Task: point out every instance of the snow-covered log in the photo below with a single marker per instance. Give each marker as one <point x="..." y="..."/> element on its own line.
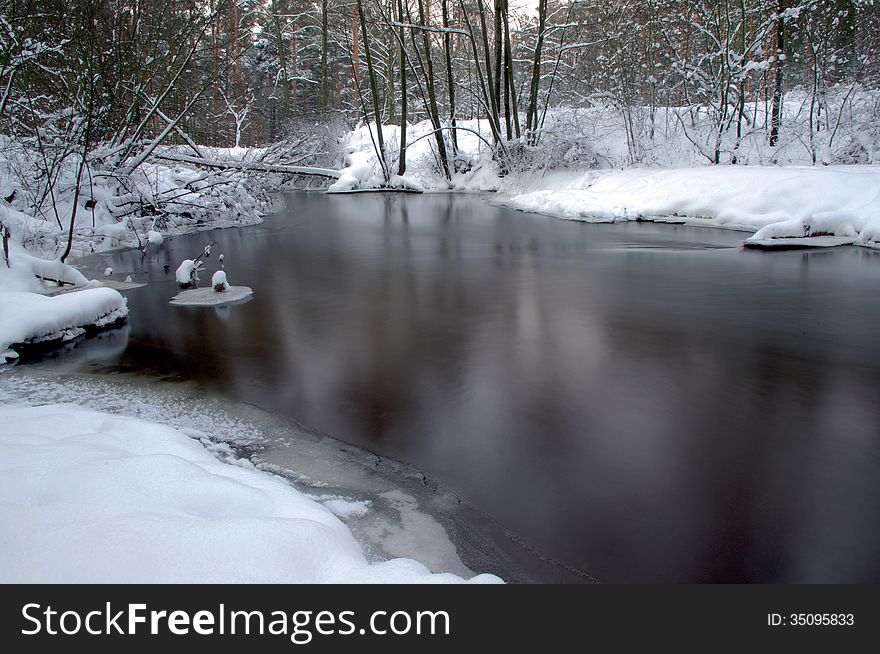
<point x="29" y="318"/>
<point x="257" y="166"/>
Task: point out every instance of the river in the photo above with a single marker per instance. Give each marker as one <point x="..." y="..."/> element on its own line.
<point x="640" y="402"/>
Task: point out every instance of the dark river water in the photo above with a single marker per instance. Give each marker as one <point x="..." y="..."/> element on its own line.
<point x="645" y="403"/>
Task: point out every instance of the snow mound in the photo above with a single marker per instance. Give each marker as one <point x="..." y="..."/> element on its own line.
<point x="26" y="267"/>
<point x="219" y="282"/>
<point x="87" y="497"/>
<point x="187" y="271"/>
<point x="33" y="318"/>
<point x="208" y="297"/>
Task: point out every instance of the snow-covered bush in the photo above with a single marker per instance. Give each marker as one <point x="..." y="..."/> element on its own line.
<point x="218" y="281"/>
<point x="187" y="273"/>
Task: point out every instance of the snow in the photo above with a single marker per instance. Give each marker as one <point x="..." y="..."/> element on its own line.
<point x="346" y="509"/>
<point x="33" y="318"/>
<point x="175" y="197"/>
<point x="90" y="497"/>
<point x="360" y="167"/>
<point x="186" y="272"/>
<point x="219" y="282"/>
<point x="777" y="201"/>
<point x="795" y="243"/>
<point x="208" y="297"/>
<point x="589" y="167"/>
<point x="28" y="316"/>
<point x="25" y="268"/>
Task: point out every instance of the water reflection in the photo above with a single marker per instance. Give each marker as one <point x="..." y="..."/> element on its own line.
<point x="646" y="403"/>
<point x="101" y="346"/>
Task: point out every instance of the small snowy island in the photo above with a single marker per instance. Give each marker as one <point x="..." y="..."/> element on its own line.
<point x="220" y="293"/>
<point x="208" y="297"/>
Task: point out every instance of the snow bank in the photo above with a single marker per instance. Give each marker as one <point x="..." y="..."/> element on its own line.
<point x="778" y="201"/>
<point x="90" y="497"/>
<point x="34" y="318"/>
<point x="27" y="316"/>
<point x="361" y="167"/>
<point x="603" y="135"/>
<point x="25" y="266"/>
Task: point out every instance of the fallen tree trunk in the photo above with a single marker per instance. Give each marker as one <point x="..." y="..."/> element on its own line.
<point x="257" y="166"/>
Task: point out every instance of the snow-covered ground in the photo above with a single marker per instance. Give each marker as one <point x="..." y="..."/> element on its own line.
<point x="168" y="194"/>
<point x="86" y="496"/>
<point x="774" y="202"/>
<point x="387" y="506"/>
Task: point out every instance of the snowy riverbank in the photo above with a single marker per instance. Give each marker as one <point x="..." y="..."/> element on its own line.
<point x="90" y="497"/>
<point x="773" y="202"/>
<point x="28" y="316"/>
<point x="587" y="168"/>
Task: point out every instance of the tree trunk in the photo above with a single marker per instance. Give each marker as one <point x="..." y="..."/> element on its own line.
<point x="432" y="94"/>
<point x="484" y="81"/>
<point x="325" y="35"/>
<point x="776" y="106"/>
<point x="490" y="77"/>
<point x="374" y="90"/>
<point x="508" y="75"/>
<point x="401" y="167"/>
<point x="282" y="60"/>
<point x="496" y="81"/>
<point x="447" y="45"/>
<point x="532" y="113"/>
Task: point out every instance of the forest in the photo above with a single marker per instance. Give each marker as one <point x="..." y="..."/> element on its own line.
<point x="94" y="90"/>
<point x="239" y="72"/>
